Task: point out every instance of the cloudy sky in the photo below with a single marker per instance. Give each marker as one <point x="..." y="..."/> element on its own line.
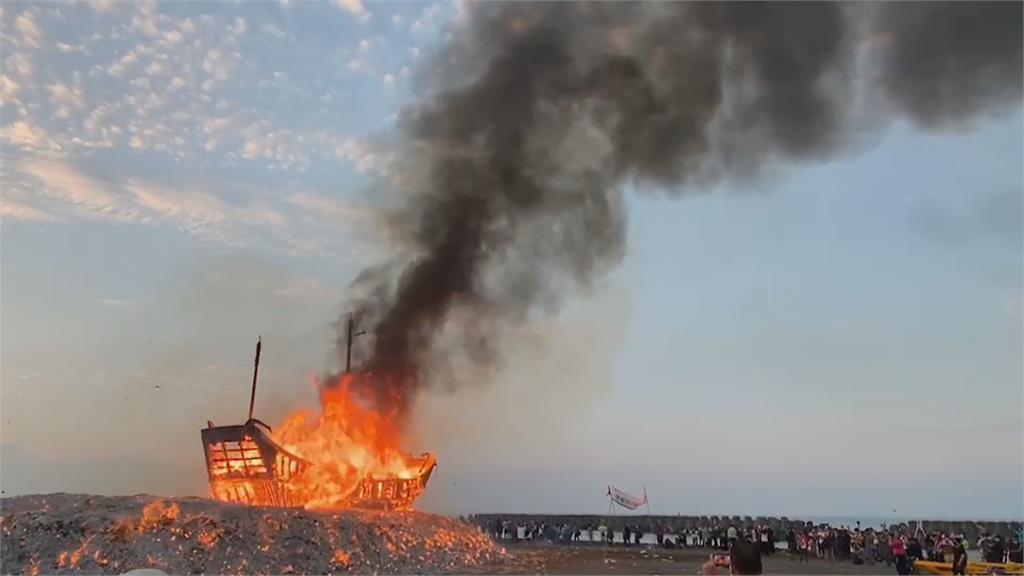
<point x="838" y="339"/>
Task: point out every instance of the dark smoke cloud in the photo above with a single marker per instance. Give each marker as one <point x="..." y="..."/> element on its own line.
<point x="949" y="61"/>
<point x="539" y="112"/>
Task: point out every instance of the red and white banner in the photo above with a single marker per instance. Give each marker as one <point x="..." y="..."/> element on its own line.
<point x="626" y="500"/>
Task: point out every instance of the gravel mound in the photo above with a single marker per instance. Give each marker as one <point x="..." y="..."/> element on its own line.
<point x="73" y="533"/>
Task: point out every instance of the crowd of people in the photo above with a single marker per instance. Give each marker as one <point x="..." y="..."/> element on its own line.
<point x="894" y="546"/>
<point x="897" y="547"/>
<point x="712" y="537"/>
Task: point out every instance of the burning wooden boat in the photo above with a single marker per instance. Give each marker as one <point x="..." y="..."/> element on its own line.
<point x="394" y="493"/>
<point x="246" y="465"/>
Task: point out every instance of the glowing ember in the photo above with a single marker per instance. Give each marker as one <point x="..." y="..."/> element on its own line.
<point x="156" y="514"/>
<point x="113" y="535"/>
<point x="342" y="558"/>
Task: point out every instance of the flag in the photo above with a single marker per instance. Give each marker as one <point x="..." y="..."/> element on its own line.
<point x="626" y="500"/>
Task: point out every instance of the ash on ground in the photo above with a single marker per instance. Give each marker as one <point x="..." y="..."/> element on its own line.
<point x="70" y="534"/>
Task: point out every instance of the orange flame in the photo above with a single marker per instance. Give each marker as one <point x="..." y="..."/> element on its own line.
<point x="348" y="442"/>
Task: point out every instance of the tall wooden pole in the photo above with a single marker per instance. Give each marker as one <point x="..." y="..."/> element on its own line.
<point x="349" y="329"/>
<point x="255" y="372"/>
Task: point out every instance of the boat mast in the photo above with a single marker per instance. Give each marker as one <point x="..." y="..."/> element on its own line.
<point x="350" y="335"/>
<point x="255" y="372"/>
<point x="349" y="327"/>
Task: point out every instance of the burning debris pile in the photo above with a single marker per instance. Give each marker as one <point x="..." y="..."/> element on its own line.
<point x="69" y="534"/>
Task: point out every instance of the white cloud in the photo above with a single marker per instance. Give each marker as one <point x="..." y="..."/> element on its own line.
<point x="241" y="27"/>
<point x="360" y="154"/>
<point x="325" y="208"/>
<point x="306" y="288"/>
<point x="120" y="304"/>
<point x="31" y="35"/>
<point x="282" y="147"/>
<point x="204" y="215"/>
<point x="98" y="127"/>
<point x="364" y="45"/>
<point x="389" y="79"/>
<point x="272" y="30"/>
<point x="8" y="90"/>
<point x="118" y="68"/>
<point x="144" y="22"/>
<point x="20" y="64"/>
<point x="25" y="135"/>
<point x="193" y="209"/>
<point x="67" y="48"/>
<point x="197" y="213"/>
<point x="102" y="5"/>
<point x="66" y="98"/>
<point x="172" y="36"/>
<point x="177" y="83"/>
<point x="253" y="149"/>
<point x="17" y="211"/>
<point x="219" y="65"/>
<point x="67" y="184"/>
<point x="354" y="7"/>
<point x="154" y="68"/>
<point x="214" y="126"/>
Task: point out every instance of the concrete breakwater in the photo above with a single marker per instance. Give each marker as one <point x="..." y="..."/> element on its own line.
<point x="970" y="528"/>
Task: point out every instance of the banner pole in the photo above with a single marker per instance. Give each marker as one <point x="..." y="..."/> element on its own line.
<point x="650" y="519"/>
<point x="611" y="517"/>
<point x="611" y="529"/>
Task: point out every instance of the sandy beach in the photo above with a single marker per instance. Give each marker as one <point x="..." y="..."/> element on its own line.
<point x="75" y="533"/>
<point x="595" y="559"/>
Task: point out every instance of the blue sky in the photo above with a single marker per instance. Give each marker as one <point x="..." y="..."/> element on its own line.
<point x="840" y="338"/>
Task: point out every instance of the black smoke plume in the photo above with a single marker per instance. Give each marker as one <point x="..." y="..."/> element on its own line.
<point x="538" y="113"/>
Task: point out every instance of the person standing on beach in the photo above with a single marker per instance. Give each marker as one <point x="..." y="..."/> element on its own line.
<point x="996" y="550"/>
<point x="914" y="551"/>
<point x="899" y="554"/>
<point x="959" y="557"/>
<point x="1015" y="550"/>
<point x="744" y="558"/>
<point x="806" y="543"/>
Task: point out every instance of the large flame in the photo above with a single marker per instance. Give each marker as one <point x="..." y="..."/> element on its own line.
<point x="351" y="440"/>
